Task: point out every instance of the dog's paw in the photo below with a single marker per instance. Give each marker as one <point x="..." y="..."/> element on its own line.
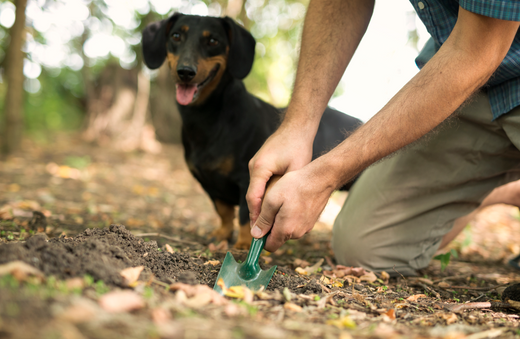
<point x="243" y="241"/>
<point x="222" y="234"/>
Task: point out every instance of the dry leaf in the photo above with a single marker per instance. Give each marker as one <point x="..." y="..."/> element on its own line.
<point x="390" y="314"/>
<point x="267" y="260"/>
<point x="385" y="277"/>
<point x="443" y="284"/>
<point x="416" y="297"/>
<point x="369" y="277"/>
<point x="131" y="274"/>
<point x="450" y="318"/>
<point x="222" y="246"/>
<point x="190" y="291"/>
<point x="121" y="301"/>
<point x="20" y="270"/>
<point x="212" y="262"/>
<point x="232" y="310"/>
<point x="355" y="271"/>
<point x="160" y="316"/>
<point x="292" y="307"/>
<point x="75" y="283"/>
<point x="6" y="212"/>
<point x="82" y="310"/>
<point x="310" y="270"/>
<point x="301" y="263"/>
<point x="344" y="322"/>
<point x="169" y="249"/>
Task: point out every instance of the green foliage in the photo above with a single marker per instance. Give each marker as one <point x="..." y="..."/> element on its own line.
<point x="78" y="162"/>
<point x="445" y="258"/>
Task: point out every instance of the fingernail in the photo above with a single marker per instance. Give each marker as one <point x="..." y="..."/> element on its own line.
<point x="256" y="232"/>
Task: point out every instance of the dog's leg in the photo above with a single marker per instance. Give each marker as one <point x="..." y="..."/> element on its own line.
<point x="227" y="214"/>
<point x="244" y="237"/>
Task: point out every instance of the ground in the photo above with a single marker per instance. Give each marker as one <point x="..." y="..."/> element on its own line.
<point x="96" y="243"/>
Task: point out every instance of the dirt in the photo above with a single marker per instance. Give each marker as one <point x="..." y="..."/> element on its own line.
<point x="81" y="214"/>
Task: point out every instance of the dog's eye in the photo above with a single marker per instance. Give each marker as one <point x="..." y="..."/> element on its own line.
<point x="213" y="42"/>
<point x="176" y="37"/>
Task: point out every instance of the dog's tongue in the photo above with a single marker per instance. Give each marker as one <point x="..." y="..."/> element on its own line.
<point x="185" y="93"/>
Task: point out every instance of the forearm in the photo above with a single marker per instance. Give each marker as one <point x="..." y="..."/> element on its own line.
<point x="463" y="64"/>
<point x="332" y="31"/>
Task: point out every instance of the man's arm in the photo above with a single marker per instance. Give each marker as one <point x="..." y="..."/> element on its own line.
<point x="464" y="63"/>
<point x="332" y="31"/>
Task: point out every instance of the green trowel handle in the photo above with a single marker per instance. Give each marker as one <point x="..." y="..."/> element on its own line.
<point x="250" y="268"/>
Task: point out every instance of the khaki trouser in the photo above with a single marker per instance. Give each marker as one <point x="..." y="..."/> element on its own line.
<point x="400" y="208"/>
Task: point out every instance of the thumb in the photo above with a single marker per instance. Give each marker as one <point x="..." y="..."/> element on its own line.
<point x="265" y="220"/>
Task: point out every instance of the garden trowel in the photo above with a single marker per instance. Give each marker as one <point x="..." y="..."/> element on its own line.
<point x="249" y="272"/>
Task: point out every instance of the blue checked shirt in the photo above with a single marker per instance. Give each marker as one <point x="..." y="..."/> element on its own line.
<point x="439" y="17"/>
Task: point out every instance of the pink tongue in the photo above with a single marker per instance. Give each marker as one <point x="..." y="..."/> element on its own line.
<point x="185" y="93"/>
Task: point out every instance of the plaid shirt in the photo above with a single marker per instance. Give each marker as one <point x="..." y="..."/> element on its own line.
<point x="440" y="16"/>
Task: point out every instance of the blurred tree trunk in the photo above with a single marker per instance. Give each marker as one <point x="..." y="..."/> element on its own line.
<point x="163" y="107"/>
<point x="13" y="109"/>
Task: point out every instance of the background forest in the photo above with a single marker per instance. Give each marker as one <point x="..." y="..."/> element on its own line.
<point x="77" y="65"/>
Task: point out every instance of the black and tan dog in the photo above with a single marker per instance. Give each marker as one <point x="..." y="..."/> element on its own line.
<point x="223" y="124"/>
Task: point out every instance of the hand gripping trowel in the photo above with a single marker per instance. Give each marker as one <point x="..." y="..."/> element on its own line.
<point x="249" y="272"/>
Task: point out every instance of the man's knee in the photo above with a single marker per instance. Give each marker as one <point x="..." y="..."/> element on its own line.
<point x="375" y="251"/>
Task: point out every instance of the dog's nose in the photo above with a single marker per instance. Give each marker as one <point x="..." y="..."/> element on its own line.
<point x="186" y="73"/>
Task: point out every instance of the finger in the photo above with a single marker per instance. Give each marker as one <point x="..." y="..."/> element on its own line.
<point x="255" y="194"/>
<point x="276" y="239"/>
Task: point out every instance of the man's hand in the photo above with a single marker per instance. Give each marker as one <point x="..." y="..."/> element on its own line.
<point x="284" y="151"/>
<point x="291" y="207"/>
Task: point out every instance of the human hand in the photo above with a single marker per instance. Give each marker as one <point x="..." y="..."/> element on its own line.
<point x="286" y="150"/>
<point x="291" y="207"/>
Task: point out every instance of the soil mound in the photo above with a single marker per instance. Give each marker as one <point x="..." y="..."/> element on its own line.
<point x="103" y="253"/>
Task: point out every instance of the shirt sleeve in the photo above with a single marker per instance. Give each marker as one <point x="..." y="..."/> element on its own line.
<point x="498" y="9"/>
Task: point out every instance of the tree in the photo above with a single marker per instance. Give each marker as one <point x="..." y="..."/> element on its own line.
<point x="13" y="109"/>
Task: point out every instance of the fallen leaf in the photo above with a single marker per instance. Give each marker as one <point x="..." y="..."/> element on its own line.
<point x="20" y="270"/>
<point x="416" y="297"/>
<point x="190" y="291"/>
<point x="355" y="271"/>
<point x="450" y="318"/>
<point x="390" y="314"/>
<point x="6" y="212"/>
<point x="292" y="307"/>
<point x="267" y="260"/>
<point x="75" y="283"/>
<point x="369" y="277"/>
<point x="212" y="262"/>
<point x="222" y="246"/>
<point x="344" y="322"/>
<point x="168" y="248"/>
<point x="81" y="310"/>
<point x="301" y="263"/>
<point x="443" y="284"/>
<point x="493" y="333"/>
<point x="160" y="316"/>
<point x="131" y="274"/>
<point x="310" y="270"/>
<point x="287" y="294"/>
<point x="232" y="310"/>
<point x="121" y="301"/>
<point x="385" y="276"/>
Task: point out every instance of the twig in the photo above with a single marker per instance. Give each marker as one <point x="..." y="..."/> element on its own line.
<point x="452" y="278"/>
<point x="168" y="237"/>
<point x="431" y="290"/>
<point x="476" y="305"/>
<point x="331" y="264"/>
<point x="489" y="288"/>
<point x="160" y="283"/>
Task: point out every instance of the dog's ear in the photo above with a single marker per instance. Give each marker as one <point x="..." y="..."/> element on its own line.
<point x="155" y="37"/>
<point x="241" y="49"/>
